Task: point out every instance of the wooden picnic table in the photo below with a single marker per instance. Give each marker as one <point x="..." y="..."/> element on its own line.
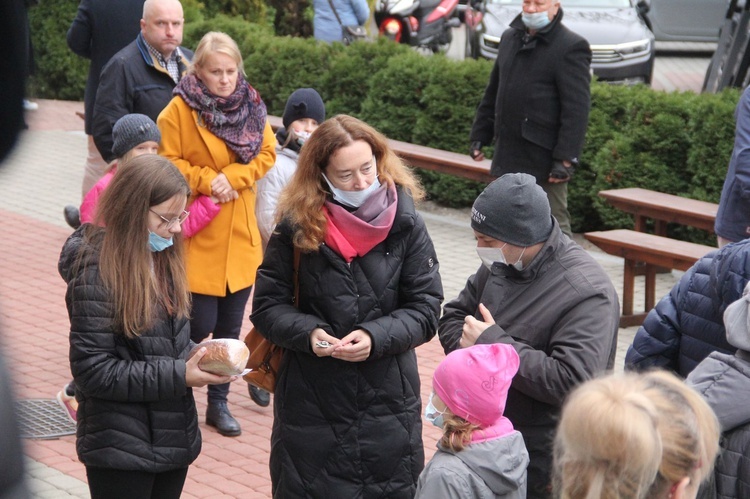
<point x="663" y="208"/>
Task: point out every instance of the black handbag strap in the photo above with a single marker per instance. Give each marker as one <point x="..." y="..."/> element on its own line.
<point x="330" y="2"/>
<point x="296" y="276"/>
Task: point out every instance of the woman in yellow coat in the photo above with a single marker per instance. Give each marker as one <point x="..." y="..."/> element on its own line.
<point x="216" y="131"/>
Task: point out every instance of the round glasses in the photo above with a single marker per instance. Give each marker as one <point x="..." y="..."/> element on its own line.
<point x="176" y="220"/>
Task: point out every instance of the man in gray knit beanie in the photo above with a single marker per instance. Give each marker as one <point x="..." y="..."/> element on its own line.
<point x="513" y="209"/>
<point x="540" y="292"/>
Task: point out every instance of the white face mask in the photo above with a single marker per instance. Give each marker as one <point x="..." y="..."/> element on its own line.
<point x="353" y="199"/>
<point x="432" y="415"/>
<point x="302" y="136"/>
<point x="536" y="20"/>
<point x="490" y="256"/>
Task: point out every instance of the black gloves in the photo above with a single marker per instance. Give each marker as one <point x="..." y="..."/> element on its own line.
<point x="560" y="171"/>
<point x="475" y="149"/>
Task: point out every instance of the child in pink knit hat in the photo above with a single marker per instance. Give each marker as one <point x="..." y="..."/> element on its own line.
<point x="480" y="454"/>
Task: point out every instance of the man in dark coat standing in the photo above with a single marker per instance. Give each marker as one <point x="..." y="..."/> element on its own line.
<point x="733" y="217"/>
<point x="100" y="29"/>
<point x="536" y="106"/>
<point x="140" y="78"/>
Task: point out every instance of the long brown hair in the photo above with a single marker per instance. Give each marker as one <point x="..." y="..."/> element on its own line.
<point x="138" y="279"/>
<point x="302" y="200"/>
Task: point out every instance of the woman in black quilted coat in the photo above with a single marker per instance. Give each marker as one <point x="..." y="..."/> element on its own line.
<point x="128" y="304"/>
<point x="347" y="410"/>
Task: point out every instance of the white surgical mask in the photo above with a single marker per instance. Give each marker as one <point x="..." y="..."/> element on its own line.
<point x="302" y="136"/>
<point x="490" y="256"/>
<point x="536" y="20"/>
<point x="353" y="199"/>
<point x="432" y="415"/>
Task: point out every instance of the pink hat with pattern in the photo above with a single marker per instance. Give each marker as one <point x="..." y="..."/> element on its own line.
<point x="473" y="382"/>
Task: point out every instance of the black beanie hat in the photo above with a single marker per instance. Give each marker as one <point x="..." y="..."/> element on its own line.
<point x="304" y="103"/>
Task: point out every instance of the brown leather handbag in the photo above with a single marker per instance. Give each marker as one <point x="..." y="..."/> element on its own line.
<point x="265" y="357"/>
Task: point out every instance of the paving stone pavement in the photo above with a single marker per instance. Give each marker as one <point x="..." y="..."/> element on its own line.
<point x="42" y="175"/>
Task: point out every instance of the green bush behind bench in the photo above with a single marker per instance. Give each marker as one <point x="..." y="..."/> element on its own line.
<point x="676" y="142"/>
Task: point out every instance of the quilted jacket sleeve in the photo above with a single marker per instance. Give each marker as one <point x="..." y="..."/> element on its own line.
<point x="657" y="342"/>
<point x="274" y="313"/>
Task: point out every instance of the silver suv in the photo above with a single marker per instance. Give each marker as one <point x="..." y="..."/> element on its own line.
<point x="622" y="46"/>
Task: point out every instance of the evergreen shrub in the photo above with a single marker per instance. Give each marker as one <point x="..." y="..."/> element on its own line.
<point x="677" y="142"/>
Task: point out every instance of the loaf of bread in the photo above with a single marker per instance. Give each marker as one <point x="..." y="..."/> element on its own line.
<point x="224" y="357"/>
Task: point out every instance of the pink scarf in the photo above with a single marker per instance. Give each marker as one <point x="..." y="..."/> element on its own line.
<point x="352" y="234"/>
<point x="502" y="427"/>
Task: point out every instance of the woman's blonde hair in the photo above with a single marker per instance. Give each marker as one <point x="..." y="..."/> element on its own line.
<point x="302" y="200"/>
<point x="689" y="429"/>
<point x="137" y="279"/>
<point x="216" y="42"/>
<point x="632" y="436"/>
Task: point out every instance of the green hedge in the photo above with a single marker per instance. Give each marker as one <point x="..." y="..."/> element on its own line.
<point x="676" y="142"/>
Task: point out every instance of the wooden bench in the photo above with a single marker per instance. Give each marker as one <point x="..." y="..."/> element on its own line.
<point x="655" y="251"/>
<point x="662" y="208"/>
<point x="429" y="158"/>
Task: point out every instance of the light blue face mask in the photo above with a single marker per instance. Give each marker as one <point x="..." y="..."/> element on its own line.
<point x="353" y="199"/>
<point x="432" y="415"/>
<point x="158" y="243"/>
<point x="535" y="21"/>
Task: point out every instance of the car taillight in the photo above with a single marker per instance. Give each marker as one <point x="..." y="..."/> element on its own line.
<point x="391" y="28"/>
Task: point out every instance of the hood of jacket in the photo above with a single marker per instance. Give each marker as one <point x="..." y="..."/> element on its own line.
<point x="500" y="462"/>
<point x="719" y="379"/>
<point x="76" y="251"/>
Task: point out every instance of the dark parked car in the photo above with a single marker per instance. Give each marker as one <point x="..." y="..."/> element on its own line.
<point x="621" y="43"/>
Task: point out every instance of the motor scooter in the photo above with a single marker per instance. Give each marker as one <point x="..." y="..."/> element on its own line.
<point x="418" y="23"/>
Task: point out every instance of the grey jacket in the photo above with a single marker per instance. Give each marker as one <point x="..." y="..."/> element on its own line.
<point x="561" y="314"/>
<point x="491" y="469"/>
<point x="724" y="380"/>
<point x="268" y="189"/>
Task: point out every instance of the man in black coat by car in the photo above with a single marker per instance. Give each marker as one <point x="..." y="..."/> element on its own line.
<point x="536" y="105"/>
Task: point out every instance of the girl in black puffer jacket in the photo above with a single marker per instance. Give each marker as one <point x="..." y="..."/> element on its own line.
<point x="128" y="305"/>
